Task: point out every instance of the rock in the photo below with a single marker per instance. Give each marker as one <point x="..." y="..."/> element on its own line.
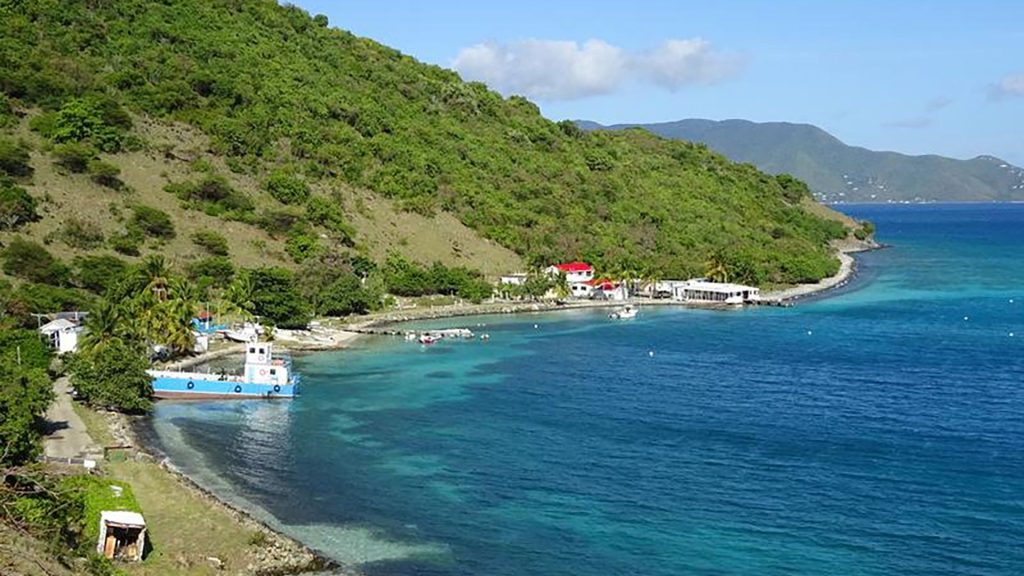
<point x="215" y="562"/>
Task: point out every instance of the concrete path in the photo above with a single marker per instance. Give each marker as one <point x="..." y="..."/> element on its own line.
<point x="66" y="433"/>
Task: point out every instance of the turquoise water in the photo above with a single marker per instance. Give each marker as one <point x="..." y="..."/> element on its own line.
<point x="876" y="431"/>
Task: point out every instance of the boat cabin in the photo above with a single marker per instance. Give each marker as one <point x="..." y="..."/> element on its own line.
<point x="261" y="367"/>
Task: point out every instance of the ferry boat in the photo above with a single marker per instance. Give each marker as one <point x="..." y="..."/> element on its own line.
<point x="263" y="377"/>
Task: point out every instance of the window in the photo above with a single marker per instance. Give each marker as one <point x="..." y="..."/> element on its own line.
<point x="252" y="350"/>
<point x="273" y="372"/>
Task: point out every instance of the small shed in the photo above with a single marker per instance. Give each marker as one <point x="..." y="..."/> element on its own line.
<point x="62" y="334"/>
<point x="122" y="535"/>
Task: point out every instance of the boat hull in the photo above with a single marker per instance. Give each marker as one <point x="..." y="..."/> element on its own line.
<point x="183" y="388"/>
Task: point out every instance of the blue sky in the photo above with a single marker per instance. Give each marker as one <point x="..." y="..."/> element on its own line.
<point x="912" y="76"/>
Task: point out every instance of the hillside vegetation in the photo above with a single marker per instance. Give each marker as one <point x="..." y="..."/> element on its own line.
<point x="837" y="172"/>
<point x="308" y="125"/>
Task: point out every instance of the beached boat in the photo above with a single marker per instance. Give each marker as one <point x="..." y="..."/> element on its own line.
<point x="263" y="377"/>
<point x="625" y="313"/>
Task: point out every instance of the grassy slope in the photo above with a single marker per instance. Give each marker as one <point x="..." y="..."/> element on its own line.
<point x="380" y="226"/>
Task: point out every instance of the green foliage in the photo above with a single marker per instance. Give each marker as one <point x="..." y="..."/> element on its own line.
<point x="793" y="190"/>
<point x="100" y="121"/>
<point x="152" y="222"/>
<point x="280" y="222"/>
<point x="113" y="376"/>
<point x="324" y="212"/>
<point x="31" y="298"/>
<point x="74" y="156"/>
<point x="97" y="496"/>
<point x="127" y="242"/>
<point x="287" y="188"/>
<point x="335" y="285"/>
<point x="104" y="173"/>
<point x="274" y="295"/>
<point x="213" y="271"/>
<point x="98" y="273"/>
<point x="865" y="230"/>
<point x="353" y="110"/>
<point x="25" y="393"/>
<point x="301" y="244"/>
<point x="81" y="234"/>
<point x="211" y="241"/>
<point x="14" y="158"/>
<point x="17" y="206"/>
<point x="31" y="261"/>
<point x="214" y="196"/>
<point x="405" y="278"/>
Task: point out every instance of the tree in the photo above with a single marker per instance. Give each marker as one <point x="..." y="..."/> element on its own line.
<point x="98" y="273"/>
<point x="287" y="188"/>
<point x="25" y="393"/>
<point x="14" y="158"/>
<point x="536" y="285"/>
<point x="113" y="376"/>
<point x="562" y="290"/>
<point x="276" y="297"/>
<point x="212" y="241"/>
<point x="153" y="222"/>
<point x="28" y="260"/>
<point x="17" y="207"/>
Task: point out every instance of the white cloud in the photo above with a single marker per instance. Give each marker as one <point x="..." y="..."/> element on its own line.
<point x="566" y="70"/>
<point x="1011" y="86"/>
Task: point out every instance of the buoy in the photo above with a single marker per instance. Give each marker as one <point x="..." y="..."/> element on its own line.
<point x="965" y="317"/>
<point x="535" y="326"/>
<point x="1011" y="300"/>
<point x="1011" y="334"/>
<point x="809" y="332"/>
<point x="650" y="353"/>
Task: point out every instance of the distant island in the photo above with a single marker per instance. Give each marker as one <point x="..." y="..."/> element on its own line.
<point x="837" y="172"/>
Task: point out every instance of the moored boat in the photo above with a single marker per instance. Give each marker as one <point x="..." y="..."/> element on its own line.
<point x="625" y="313"/>
<point x="263" y="377"/>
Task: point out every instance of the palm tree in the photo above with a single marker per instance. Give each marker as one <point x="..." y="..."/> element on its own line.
<point x="562" y="290"/>
<point x="717" y="269"/>
<point x="103" y="324"/>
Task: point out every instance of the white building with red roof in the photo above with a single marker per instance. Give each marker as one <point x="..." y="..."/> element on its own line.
<point x="574" y="271"/>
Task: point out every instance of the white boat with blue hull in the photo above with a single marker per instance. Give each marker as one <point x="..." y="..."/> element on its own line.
<point x="263" y="377"/>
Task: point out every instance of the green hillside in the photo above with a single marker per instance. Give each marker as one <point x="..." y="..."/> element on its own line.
<point x="295" y="139"/>
<point x="837" y="172"/>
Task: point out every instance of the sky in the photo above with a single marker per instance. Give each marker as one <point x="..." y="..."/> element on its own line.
<point x="913" y="76"/>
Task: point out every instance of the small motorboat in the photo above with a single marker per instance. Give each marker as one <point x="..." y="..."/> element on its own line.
<point x="427" y="339"/>
<point x="624" y="313"/>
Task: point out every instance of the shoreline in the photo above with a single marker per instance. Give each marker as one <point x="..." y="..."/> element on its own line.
<point x="282" y="554"/>
<point x="325" y="338"/>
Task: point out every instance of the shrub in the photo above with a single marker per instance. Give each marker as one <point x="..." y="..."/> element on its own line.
<point x="127" y="242"/>
<point x="275" y="296"/>
<point x="104" y="173"/>
<point x="32" y="298"/>
<point x="97" y="273"/>
<point x="80" y="234"/>
<point x="14" y="158"/>
<point x="216" y="270"/>
<point x="30" y="261"/>
<point x="211" y="241"/>
<point x="113" y="375"/>
<point x="287" y="188"/>
<point x="98" y="120"/>
<point x="323" y="212"/>
<point x="25" y="392"/>
<point x="74" y="156"/>
<point x="152" y="222"/>
<point x="17" y="207"/>
<point x="279" y="222"/>
<point x="213" y="195"/>
<point x="301" y="244"/>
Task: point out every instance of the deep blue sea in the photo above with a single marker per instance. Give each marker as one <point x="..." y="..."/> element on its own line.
<point x="876" y="431"/>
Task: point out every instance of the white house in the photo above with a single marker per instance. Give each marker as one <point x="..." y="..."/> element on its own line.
<point x="574" y="271"/>
<point x="604" y="289"/>
<point x="703" y="291"/>
<point x="62" y="334"/>
<point x="517" y="279"/>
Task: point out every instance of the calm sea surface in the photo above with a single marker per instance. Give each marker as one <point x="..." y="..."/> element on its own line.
<point x="877" y="431"/>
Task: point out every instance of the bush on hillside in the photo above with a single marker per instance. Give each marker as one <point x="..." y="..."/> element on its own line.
<point x="213" y="271"/>
<point x="105" y="174"/>
<point x="17" y="206"/>
<point x="30" y="298"/>
<point x="128" y="242"/>
<point x="274" y="295"/>
<point x="81" y="234"/>
<point x="14" y="158"/>
<point x="211" y="241"/>
<point x="287" y="188"/>
<point x="97" y="273"/>
<point x="327" y="213"/>
<point x="302" y="244"/>
<point x="212" y="195"/>
<point x="74" y="156"/>
<point x="152" y="222"/>
<point x="31" y="261"/>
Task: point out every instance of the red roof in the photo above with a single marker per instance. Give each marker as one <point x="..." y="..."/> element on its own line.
<point x="602" y="283"/>
<point x="204" y="315"/>
<point x="574" y="267"/>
